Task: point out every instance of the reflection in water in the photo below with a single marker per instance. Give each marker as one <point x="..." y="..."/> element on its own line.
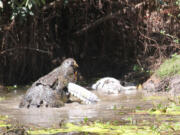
<point x="78" y="113"/>
<point x="41" y="117"/>
<point x="73" y="112"/>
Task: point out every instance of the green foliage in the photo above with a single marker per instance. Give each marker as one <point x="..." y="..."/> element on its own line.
<point x="171" y="109"/>
<point x="3" y="117"/>
<point x="23" y="8"/>
<point x="159" y="108"/>
<point x="85" y="120"/>
<point x="2" y="121"/>
<point x="110" y="128"/>
<point x="100" y="128"/>
<point x="140" y="69"/>
<point x="4" y="124"/>
<point x="170" y="67"/>
<point x="178" y="4"/>
<point x="137" y="68"/>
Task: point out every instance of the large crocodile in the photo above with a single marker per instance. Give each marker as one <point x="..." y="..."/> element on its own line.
<point x="51" y="90"/>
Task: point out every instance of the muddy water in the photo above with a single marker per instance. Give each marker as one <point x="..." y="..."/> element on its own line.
<point x="111" y="107"/>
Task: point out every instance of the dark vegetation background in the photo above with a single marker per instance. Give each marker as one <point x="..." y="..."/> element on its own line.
<point x="119" y="38"/>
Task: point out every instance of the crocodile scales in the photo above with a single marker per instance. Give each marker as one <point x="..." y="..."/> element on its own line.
<point x="110" y="85"/>
<point x="51" y="90"/>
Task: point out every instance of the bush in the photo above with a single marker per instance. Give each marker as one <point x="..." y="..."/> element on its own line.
<point x="170" y="67"/>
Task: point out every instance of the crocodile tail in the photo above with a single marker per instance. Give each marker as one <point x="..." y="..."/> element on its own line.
<point x="82" y="93"/>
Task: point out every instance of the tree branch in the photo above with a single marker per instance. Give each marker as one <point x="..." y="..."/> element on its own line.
<point x="23" y="48"/>
<point x="97" y="22"/>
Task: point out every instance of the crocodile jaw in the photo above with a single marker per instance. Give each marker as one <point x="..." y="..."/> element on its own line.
<point x="82" y="93"/>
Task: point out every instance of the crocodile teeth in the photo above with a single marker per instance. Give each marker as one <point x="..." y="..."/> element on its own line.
<point x="82" y="93"/>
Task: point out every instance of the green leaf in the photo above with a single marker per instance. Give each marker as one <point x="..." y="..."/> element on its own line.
<point x="29" y="5"/>
<point x="27" y="2"/>
<point x="162" y="32"/>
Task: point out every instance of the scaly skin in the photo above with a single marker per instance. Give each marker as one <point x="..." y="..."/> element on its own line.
<point x="51" y="89"/>
<point x="110" y="85"/>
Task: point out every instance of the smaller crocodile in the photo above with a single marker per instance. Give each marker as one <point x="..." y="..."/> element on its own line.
<point x="110" y="85"/>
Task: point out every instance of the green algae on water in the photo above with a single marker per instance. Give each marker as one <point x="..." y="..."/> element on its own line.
<point x="3" y="117"/>
<point x="99" y="128"/>
<point x="2" y="98"/>
<point x="171" y="109"/>
<point x="4" y="124"/>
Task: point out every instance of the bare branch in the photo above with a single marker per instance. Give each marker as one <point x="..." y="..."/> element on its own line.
<point x="97" y="22"/>
<point x="23" y="48"/>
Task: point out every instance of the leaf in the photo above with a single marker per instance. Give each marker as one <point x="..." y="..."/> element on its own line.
<point x="27" y="2"/>
<point x="31" y="13"/>
<point x="162" y="32"/>
<point x="29" y="5"/>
